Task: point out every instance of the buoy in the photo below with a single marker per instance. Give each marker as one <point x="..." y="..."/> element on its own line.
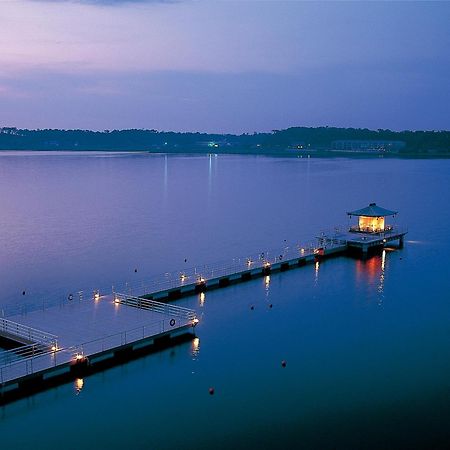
<point x="185" y="259"/>
<point x="252" y="307"/>
<point x="270" y="305"/>
<point x="283" y="363"/>
<point x="135" y="270"/>
<point x="211" y="391"/>
<point x="70" y="297"/>
<point x="23" y="292"/>
<point x="172" y="322"/>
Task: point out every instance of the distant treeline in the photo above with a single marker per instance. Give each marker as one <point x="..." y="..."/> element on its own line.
<point x="296" y="139"/>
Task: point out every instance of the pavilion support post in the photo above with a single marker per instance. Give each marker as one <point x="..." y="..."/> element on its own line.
<point x="365" y="251"/>
<point x="401" y="242"/>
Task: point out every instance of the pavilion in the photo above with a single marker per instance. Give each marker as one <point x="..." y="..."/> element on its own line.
<point x="371" y="219"/>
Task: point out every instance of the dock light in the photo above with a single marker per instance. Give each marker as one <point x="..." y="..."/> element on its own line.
<point x="183" y="277"/>
<point x="384" y="240"/>
<point x="195" y="321"/>
<point x="54" y="348"/>
<point x="201" y="280"/>
<point x="96" y="295"/>
<point x="79" y="357"/>
<point x="266" y="264"/>
<point x="302" y="250"/>
<point x="249" y="262"/>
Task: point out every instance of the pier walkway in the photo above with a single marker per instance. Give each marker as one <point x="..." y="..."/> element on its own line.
<point x="81" y="333"/>
<point x="77" y="334"/>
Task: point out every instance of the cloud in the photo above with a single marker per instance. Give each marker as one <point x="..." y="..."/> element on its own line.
<point x="107" y="2"/>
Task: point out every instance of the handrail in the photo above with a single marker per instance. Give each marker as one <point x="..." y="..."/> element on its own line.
<point x="33" y="335"/>
<point x="152" y="305"/>
<point x="23" y="352"/>
<point x="198" y="275"/>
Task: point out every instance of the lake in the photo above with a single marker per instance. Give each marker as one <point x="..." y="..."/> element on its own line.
<point x="366" y="342"/>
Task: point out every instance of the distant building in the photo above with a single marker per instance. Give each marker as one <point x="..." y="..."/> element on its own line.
<point x="354" y="145"/>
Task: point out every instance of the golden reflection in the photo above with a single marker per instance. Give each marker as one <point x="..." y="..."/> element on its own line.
<point x="267" y="281"/>
<point x="382" y="275"/>
<point x="372" y="272"/>
<point x="78" y="384"/>
<point x="195" y="347"/>
<point x="201" y="298"/>
<point x="316" y="271"/>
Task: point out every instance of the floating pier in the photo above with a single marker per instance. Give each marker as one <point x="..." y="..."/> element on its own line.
<point x="84" y="334"/>
<point x="82" y="337"/>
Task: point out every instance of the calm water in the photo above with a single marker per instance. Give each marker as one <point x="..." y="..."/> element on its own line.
<point x="367" y="344"/>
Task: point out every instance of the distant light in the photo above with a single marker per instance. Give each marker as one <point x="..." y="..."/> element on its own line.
<point x="249" y="262"/>
<point x="79" y="357"/>
<point x="183" y="277"/>
<point x="195" y="321"/>
<point x="266" y="264"/>
<point x="201" y="280"/>
<point x="54" y="348"/>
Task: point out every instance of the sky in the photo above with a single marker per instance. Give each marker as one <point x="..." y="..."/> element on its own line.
<point x="224" y="66"/>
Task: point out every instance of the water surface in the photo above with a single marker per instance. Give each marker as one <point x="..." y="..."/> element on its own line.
<point x="367" y="343"/>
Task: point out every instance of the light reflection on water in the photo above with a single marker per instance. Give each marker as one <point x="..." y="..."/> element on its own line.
<point x="353" y="367"/>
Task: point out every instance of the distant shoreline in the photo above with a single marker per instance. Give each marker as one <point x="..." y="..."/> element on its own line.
<point x="280" y="153"/>
<point x="296" y="141"/>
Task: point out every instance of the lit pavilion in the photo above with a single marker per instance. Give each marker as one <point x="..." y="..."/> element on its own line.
<point x="372" y="219"/>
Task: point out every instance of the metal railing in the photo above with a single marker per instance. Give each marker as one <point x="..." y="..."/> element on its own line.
<point x="61" y="298"/>
<point x="201" y="274"/>
<point x="22" y="352"/>
<point x="10" y="329"/>
<point x="169" y="280"/>
<point x="387" y="231"/>
<point x="158" y="307"/>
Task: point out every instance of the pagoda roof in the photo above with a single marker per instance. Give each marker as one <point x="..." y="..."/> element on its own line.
<point x="373" y="210"/>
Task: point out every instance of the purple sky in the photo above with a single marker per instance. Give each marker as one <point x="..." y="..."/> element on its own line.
<point x="224" y="66"/>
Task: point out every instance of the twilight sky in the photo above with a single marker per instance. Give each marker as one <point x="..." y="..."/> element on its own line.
<point x="224" y="66"/>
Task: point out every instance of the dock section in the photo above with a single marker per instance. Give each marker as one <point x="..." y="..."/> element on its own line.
<point x="84" y="333"/>
<point x="82" y="336"/>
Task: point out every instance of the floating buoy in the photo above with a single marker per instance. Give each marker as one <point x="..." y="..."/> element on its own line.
<point x="252" y="307"/>
<point x="23" y="292"/>
<point x="70" y="297"/>
<point x="172" y="322"/>
<point x="185" y="259"/>
<point x="283" y="363"/>
<point x="135" y="270"/>
<point x="270" y="305"/>
<point x="211" y="391"/>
